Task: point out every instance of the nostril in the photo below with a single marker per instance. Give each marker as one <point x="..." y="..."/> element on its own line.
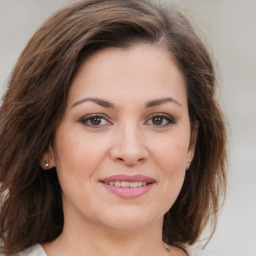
<point x="130" y="162"/>
<point x="127" y="155"/>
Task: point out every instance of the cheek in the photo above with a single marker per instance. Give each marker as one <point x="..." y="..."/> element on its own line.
<point x="171" y="155"/>
<point x="77" y="157"/>
<point x="170" y="158"/>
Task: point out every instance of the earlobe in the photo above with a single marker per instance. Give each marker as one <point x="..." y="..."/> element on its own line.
<point x="47" y="161"/>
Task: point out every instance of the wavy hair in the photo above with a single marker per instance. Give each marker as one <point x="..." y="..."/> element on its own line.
<point x="31" y="206"/>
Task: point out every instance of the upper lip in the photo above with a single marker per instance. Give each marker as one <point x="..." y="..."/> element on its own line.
<point x="129" y="178"/>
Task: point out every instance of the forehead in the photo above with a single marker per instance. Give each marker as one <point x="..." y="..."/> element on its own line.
<point x="140" y="71"/>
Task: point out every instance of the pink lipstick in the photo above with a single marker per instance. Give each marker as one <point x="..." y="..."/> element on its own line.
<point x="128" y="186"/>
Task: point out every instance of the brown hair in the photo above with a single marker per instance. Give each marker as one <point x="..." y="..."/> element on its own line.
<point x="34" y="103"/>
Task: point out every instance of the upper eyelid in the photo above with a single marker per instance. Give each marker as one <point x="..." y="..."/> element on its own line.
<point x="107" y="117"/>
<point x="148" y="117"/>
<point x="160" y="114"/>
<point x="89" y="116"/>
<point x="101" y="115"/>
<point x="170" y="118"/>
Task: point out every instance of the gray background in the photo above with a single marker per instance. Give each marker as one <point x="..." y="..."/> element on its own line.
<point x="229" y="28"/>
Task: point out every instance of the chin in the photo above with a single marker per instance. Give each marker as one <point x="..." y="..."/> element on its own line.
<point x="129" y="220"/>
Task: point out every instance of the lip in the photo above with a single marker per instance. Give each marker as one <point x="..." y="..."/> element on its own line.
<point x="129" y="178"/>
<point x="128" y="192"/>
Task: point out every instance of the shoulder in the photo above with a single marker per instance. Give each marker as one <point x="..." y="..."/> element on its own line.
<point x="193" y="251"/>
<point x="35" y="250"/>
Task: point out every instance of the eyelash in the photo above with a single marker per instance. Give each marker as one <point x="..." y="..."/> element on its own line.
<point x="87" y="120"/>
<point x="168" y="119"/>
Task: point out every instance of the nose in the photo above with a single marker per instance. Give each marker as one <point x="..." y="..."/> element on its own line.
<point x="128" y="146"/>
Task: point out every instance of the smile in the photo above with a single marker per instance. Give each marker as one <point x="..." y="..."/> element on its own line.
<point x="126" y="184"/>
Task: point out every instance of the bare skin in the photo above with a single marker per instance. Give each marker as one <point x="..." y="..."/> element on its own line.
<point x="127" y="114"/>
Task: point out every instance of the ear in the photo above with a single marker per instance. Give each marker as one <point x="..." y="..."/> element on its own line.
<point x="47" y="160"/>
<point x="192" y="144"/>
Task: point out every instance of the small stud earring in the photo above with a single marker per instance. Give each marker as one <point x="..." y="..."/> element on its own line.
<point x="47" y="163"/>
<point x="167" y="247"/>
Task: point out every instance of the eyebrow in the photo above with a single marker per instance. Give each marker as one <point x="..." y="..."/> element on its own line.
<point x="107" y="104"/>
<point x="158" y="102"/>
<point x="101" y="102"/>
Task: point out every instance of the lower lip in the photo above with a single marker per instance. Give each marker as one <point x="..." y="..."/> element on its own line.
<point x="128" y="192"/>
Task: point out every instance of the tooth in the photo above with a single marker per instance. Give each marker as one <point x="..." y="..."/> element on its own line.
<point x="133" y="184"/>
<point x="117" y="183"/>
<point x="124" y="184"/>
<point x="139" y="183"/>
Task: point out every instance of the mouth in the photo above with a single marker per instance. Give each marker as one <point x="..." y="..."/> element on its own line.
<point x="128" y="186"/>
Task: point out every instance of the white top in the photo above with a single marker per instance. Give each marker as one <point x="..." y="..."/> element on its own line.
<point x="37" y="250"/>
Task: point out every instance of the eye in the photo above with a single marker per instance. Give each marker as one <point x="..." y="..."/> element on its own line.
<point x="95" y="121"/>
<point x="160" y="120"/>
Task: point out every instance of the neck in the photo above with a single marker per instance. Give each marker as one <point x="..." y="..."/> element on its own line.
<point x="89" y="239"/>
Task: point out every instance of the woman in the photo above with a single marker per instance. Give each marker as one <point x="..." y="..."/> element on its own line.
<point x="111" y="139"/>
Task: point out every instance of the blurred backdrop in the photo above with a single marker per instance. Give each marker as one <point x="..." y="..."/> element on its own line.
<point x="229" y="28"/>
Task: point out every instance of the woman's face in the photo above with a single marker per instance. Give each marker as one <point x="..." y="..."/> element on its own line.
<point x="123" y="144"/>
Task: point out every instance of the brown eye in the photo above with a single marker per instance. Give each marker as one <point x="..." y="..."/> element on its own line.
<point x="157" y="120"/>
<point x="160" y="120"/>
<point x="95" y="120"/>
